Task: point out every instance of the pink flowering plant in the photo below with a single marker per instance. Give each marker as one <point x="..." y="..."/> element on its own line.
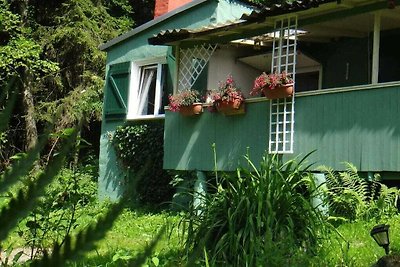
<point x="227" y="92"/>
<point x="270" y="82"/>
<point x="183" y="98"/>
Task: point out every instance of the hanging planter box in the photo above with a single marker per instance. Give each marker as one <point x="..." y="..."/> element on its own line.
<point x="194" y="109"/>
<point x="280" y="91"/>
<point x="235" y="107"/>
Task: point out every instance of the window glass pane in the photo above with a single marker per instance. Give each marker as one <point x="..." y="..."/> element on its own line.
<point x="147" y="89"/>
<point x="389" y="55"/>
<point x="307" y="81"/>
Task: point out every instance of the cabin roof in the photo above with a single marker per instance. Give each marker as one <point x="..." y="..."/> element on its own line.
<point x="149" y="24"/>
<point x="258" y="22"/>
<point x="216" y="31"/>
<point x="284" y="8"/>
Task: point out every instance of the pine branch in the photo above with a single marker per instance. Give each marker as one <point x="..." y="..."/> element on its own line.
<point x="85" y="239"/>
<point x="22" y="166"/>
<point x="19" y="207"/>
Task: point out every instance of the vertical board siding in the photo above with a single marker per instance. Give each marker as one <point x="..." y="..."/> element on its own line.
<point x="189" y="140"/>
<point x="361" y="127"/>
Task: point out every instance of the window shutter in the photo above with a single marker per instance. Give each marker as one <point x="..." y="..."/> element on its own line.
<point x="117" y="89"/>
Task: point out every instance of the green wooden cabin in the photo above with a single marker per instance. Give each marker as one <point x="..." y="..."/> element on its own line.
<point x="344" y="58"/>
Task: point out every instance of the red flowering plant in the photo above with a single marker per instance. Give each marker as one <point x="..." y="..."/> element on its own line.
<point x="270" y="82"/>
<point x="183" y="98"/>
<point x="227" y="92"/>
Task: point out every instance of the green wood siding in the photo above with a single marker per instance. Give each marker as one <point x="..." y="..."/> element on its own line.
<point x="361" y="127"/>
<point x="112" y="178"/>
<point x="188" y="140"/>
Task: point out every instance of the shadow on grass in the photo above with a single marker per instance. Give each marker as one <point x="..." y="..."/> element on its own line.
<point x="120" y="257"/>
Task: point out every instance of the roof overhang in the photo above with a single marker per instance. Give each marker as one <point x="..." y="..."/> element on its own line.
<point x="149" y="24"/>
<point x="260" y="22"/>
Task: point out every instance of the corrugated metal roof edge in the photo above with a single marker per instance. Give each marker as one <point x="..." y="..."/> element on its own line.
<point x="284" y="8"/>
<point x="149" y="24"/>
<point x="168" y="36"/>
<point x="174" y="35"/>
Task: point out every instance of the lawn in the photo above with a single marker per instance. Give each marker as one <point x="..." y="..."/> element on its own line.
<point x="134" y="229"/>
<point x="131" y="232"/>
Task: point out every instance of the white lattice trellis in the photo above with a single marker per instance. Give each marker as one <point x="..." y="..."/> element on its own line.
<point x="282" y="110"/>
<point x="192" y="61"/>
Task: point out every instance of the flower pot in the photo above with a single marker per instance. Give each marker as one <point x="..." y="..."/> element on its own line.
<point x="195" y="109"/>
<point x="234" y="107"/>
<point x="280" y="91"/>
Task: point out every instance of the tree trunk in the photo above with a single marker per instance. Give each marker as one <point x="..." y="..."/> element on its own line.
<point x="31" y="134"/>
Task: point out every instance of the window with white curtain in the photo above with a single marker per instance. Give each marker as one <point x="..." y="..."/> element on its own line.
<point x="145" y="96"/>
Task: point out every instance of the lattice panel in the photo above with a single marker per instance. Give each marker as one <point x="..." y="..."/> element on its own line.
<point x="282" y="110"/>
<point x="192" y="61"/>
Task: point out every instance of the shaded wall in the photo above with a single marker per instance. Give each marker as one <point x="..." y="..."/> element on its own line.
<point x="348" y="61"/>
<point x="345" y="62"/>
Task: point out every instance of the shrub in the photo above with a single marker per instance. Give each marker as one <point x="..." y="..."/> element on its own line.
<point x="257" y="217"/>
<point x="351" y="197"/>
<point x="57" y="214"/>
<point x="140" y="147"/>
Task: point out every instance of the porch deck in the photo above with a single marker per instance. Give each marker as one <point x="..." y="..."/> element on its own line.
<point x="357" y="124"/>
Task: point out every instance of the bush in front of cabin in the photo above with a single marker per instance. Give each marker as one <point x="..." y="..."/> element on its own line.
<point x="257" y="217"/>
<point x="139" y="146"/>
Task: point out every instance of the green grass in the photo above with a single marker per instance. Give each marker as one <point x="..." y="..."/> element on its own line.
<point x="133" y="229"/>
<point x="362" y="249"/>
<point x="137" y="227"/>
<point x="130" y="233"/>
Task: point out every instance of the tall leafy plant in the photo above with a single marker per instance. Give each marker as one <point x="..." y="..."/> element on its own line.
<point x="257" y="216"/>
<point x="351" y="197"/>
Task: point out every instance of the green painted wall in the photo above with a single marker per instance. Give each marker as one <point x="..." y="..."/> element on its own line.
<point x="188" y="140"/>
<point x="112" y="180"/>
<point x="361" y="127"/>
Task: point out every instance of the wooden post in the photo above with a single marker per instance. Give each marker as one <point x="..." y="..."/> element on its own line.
<point x="177" y="59"/>
<point x="318" y="201"/>
<point x="375" y="55"/>
<point x="200" y="189"/>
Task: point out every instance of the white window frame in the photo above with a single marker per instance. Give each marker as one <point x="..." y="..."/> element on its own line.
<point x="133" y="99"/>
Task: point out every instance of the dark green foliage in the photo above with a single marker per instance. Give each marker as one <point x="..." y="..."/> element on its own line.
<point x="141" y="146"/>
<point x="10" y="91"/>
<point x="135" y="144"/>
<point x="70" y="35"/>
<point x="26" y="198"/>
<point x="84" y="240"/>
<point x="351" y="197"/>
<point x="57" y="41"/>
<point x="257" y="217"/>
<point x="68" y="197"/>
<point x="29" y="196"/>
